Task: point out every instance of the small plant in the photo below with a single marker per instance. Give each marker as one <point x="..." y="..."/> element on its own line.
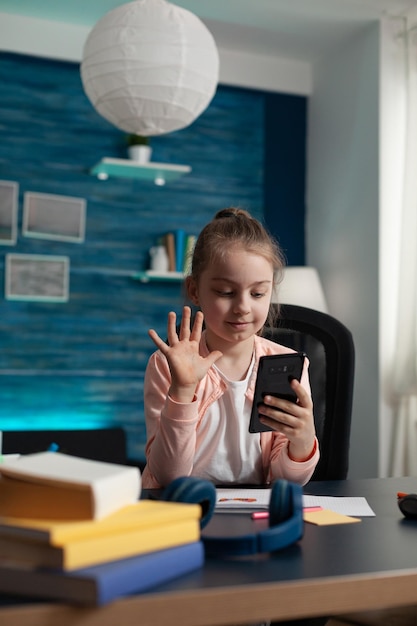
<point x="137" y="140"/>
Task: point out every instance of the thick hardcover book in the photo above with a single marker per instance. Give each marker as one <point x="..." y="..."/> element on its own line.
<point x="101" y="584"/>
<point x="52" y="485"/>
<point x="142" y="515"/>
<point x="94" y="550"/>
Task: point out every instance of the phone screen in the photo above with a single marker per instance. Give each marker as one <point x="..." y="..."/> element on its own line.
<point x="275" y="373"/>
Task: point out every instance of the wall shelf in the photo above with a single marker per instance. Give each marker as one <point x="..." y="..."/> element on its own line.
<point x="158" y="173"/>
<point x="153" y="276"/>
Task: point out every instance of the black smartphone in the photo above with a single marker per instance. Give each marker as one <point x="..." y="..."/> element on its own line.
<point x="275" y="373"/>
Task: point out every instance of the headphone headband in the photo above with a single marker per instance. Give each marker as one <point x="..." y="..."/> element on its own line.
<point x="286" y="523"/>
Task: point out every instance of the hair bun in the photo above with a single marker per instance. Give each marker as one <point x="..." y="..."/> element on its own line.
<point x="231" y="212"/>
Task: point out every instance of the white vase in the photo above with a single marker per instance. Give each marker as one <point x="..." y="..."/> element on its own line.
<point x="139" y="153"/>
<point x="159" y="259"/>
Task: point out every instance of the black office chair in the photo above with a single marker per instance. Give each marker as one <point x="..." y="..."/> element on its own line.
<point x="330" y="349"/>
<point x="331" y="352"/>
<point x="98" y="444"/>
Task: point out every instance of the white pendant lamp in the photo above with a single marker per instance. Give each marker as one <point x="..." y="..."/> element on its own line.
<point x="150" y="67"/>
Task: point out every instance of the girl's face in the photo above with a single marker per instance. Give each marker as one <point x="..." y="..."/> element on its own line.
<point x="234" y="294"/>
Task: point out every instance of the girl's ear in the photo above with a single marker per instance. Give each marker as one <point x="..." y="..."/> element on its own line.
<point x="191" y="289"/>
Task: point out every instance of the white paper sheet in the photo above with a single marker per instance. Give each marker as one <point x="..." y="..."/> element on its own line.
<point x="256" y="499"/>
<point x="354" y="506"/>
<point x="243" y="498"/>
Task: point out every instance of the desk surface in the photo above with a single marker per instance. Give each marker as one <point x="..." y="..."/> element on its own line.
<point x="333" y="569"/>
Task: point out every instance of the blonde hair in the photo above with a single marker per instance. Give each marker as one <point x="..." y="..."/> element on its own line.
<point x="235" y="227"/>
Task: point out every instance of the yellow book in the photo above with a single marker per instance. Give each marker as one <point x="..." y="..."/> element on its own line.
<point x="142" y="515"/>
<point x="95" y="550"/>
<point x="51" y="485"/>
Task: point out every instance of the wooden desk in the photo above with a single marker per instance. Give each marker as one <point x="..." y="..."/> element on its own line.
<point x="333" y="570"/>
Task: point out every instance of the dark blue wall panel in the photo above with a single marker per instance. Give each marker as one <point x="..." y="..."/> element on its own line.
<point x="82" y="363"/>
<point x="285" y="172"/>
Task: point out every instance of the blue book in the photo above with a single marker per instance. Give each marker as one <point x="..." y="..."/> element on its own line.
<point x="180" y="241"/>
<point x="98" y="585"/>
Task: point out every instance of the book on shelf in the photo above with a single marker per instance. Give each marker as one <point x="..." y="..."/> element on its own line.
<point x="101" y="584"/>
<point x="188" y="254"/>
<point x="180" y="237"/>
<point x="170" y="246"/>
<point x="53" y="485"/>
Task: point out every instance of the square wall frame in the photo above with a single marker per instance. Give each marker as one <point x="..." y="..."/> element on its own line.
<point x="9" y="191"/>
<point x="47" y="216"/>
<point x="36" y="277"/>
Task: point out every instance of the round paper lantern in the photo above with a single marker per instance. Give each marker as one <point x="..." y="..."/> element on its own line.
<point x="150" y="67"/>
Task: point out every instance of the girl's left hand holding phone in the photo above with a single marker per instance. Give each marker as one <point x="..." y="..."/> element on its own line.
<point x="295" y="420"/>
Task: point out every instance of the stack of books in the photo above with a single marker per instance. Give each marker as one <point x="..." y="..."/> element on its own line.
<point x="74" y="530"/>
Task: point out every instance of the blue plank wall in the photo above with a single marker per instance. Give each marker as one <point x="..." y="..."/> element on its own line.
<point x="81" y="364"/>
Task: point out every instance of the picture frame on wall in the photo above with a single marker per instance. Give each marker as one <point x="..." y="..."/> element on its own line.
<point x="37" y="277"/>
<point x="48" y="216"/>
<point x="9" y="191"/>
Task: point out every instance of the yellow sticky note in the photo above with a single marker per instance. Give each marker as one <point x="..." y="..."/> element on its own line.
<point x="326" y="518"/>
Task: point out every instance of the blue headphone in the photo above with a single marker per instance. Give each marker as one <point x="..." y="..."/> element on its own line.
<point x="286" y="524"/>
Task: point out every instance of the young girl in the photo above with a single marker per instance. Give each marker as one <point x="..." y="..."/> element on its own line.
<point x="199" y="385"/>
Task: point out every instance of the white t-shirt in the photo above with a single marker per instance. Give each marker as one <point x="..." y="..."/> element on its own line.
<point x="228" y="452"/>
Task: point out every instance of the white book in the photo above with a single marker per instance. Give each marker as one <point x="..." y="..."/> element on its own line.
<point x="52" y="485"/>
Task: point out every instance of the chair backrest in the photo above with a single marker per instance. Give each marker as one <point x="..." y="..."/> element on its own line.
<point x="98" y="444"/>
<point x="330" y="349"/>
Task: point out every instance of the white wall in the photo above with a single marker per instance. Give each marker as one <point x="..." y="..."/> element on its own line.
<point x="343" y="217"/>
<point x="392" y="117"/>
<point x="57" y="40"/>
<point x="393" y="103"/>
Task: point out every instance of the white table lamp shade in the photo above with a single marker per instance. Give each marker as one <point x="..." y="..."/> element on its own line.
<point x="301" y="286"/>
<point x="150" y="67"/>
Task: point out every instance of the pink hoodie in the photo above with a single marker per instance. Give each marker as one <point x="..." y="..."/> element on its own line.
<point x="173" y="428"/>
